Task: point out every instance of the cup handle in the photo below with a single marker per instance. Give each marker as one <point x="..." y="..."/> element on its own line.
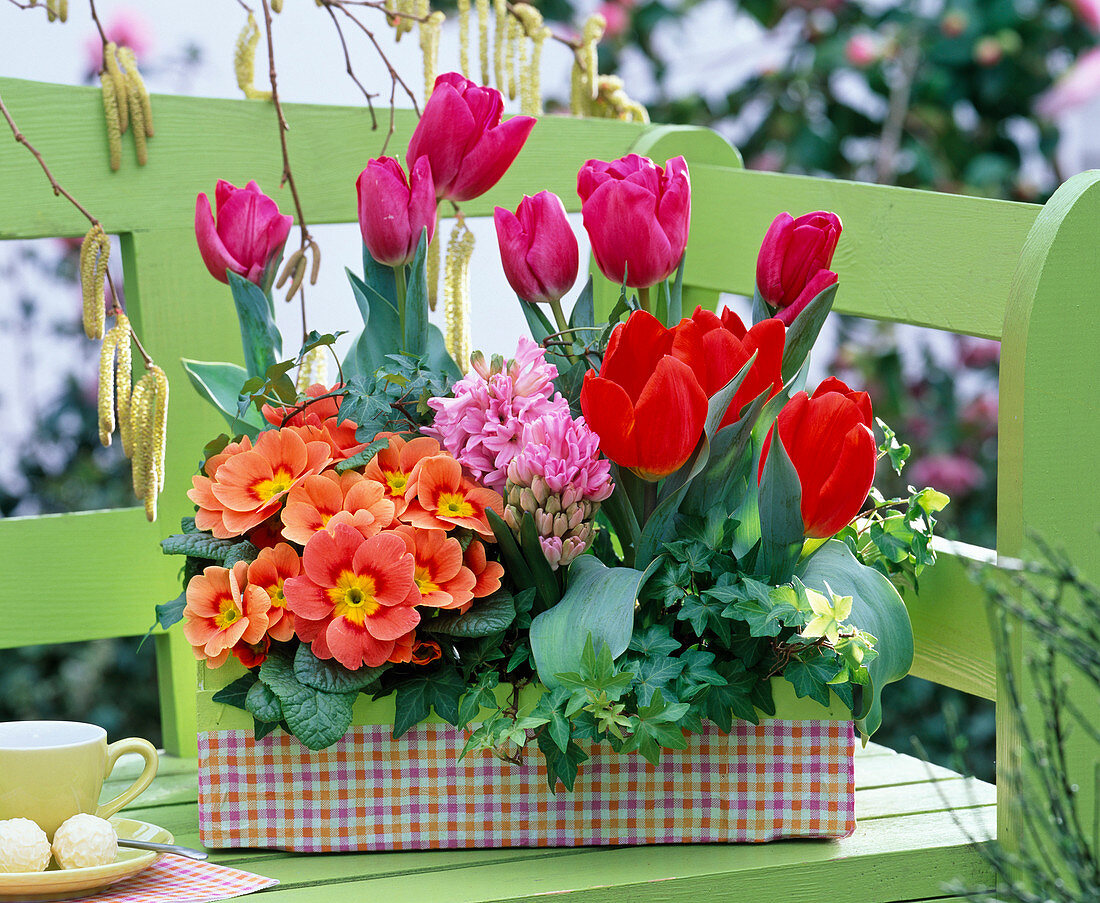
<point x="130" y="745"/>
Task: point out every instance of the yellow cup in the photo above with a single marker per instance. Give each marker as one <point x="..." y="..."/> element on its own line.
<point x="50" y="770"/>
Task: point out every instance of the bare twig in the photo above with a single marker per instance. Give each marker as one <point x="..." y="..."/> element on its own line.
<point x="306" y="239"/>
<point x="350" y="70"/>
<point x="98" y="24"/>
<point x="19" y="5"/>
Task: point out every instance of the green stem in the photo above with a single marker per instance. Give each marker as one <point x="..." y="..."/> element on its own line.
<point x="402" y="290"/>
<point x="643" y="298"/>
<point x="649" y="499"/>
<point x="563" y="324"/>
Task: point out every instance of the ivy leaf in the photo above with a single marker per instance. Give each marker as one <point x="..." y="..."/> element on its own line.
<point x="654" y="674"/>
<point x="478" y="697"/>
<point x="703" y="612"/>
<point x="329" y="676"/>
<point x="561" y="765"/>
<point x="765" y="611"/>
<point x="488" y="616"/>
<point x="811" y="676"/>
<point x="699" y="668"/>
<point x="236" y="693"/>
<point x="896" y="451"/>
<point x="262" y="703"/>
<point x="733" y="698"/>
<point x="438" y="689"/>
<point x="655" y="727"/>
<point x="656" y="641"/>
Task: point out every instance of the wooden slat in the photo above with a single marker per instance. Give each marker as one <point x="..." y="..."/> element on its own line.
<point x="909" y="256"/>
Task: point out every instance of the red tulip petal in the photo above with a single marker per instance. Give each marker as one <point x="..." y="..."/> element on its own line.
<point x="669" y="418"/>
<point x="844" y="491"/>
<point x="634" y="350"/>
<point x="489" y="159"/>
<point x="609" y="413"/>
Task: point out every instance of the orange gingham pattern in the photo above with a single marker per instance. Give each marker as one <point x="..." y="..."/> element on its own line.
<point x="371" y="792"/>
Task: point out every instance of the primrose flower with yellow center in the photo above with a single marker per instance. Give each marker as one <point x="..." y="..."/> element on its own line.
<point x="224" y="609"/>
<point x="411" y="649"/>
<point x="269" y="572"/>
<point x="323" y="501"/>
<point x="440" y="497"/>
<point x="393" y="465"/>
<point x="441" y="577"/>
<point x="321" y="411"/>
<point x="355" y="597"/>
<point x="250" y="485"/>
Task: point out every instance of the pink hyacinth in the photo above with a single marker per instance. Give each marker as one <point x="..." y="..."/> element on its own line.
<point x="566" y="454"/>
<point x="482" y="425"/>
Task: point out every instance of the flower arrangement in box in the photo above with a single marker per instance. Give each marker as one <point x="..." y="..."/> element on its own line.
<point x="623" y="536"/>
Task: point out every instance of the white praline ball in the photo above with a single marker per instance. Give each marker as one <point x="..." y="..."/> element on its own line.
<point x="85" y="840"/>
<point x="24" y="846"/>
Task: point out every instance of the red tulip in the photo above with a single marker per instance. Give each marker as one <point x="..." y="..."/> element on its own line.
<point x="393" y="210"/>
<point x="637" y="216"/>
<point x="727" y="345"/>
<point x="537" y="247"/>
<point x="829" y="440"/>
<point x="248" y="236"/>
<point x="461" y="134"/>
<point x="793" y="266"/>
<point x="646" y="404"/>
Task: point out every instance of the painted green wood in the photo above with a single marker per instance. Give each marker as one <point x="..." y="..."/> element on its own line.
<point x="1048" y="428"/>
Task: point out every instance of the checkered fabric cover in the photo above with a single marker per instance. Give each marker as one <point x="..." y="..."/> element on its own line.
<point x="371" y="792"/>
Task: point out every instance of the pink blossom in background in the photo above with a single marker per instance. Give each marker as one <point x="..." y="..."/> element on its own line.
<point x="1079" y="85"/>
<point x="954" y="474"/>
<point x="482" y="425"/>
<point x="126" y="27"/>
<point x="616" y="18"/>
<point x="862" y="50"/>
<point x="918" y="429"/>
<point x="976" y="353"/>
<point x="981" y="415"/>
<point x="1088" y="11"/>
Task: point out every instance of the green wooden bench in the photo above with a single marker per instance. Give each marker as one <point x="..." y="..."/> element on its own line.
<point x="1020" y="273"/>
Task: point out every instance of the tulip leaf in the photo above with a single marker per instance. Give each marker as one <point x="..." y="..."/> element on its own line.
<point x="537" y="322"/>
<point x="760" y="309"/>
<point x="259" y="335"/>
<point x="416" y="302"/>
<point x="673" y="290"/>
<point x="381" y="333"/>
<point x="726" y="466"/>
<point x="781" y="529"/>
<point x="439" y="358"/>
<point x="877" y="609"/>
<point x="583" y="315"/>
<point x="380" y="278"/>
<point x="803" y="332"/>
<point x="598" y="607"/>
<point x="220" y="384"/>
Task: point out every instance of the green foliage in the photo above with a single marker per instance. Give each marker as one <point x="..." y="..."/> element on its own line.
<point x="259" y="335"/>
<point x="489" y="616"/>
<point x="317" y="718"/>
<point x="393" y="397"/>
<point x="438" y="688"/>
<point x="220" y="384"/>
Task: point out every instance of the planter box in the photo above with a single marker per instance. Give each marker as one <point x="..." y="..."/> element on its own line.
<point x="789" y="776"/>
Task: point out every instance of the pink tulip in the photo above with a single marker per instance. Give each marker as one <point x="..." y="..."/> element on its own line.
<point x="461" y="134"/>
<point x="393" y="210"/>
<point x="637" y="216"/>
<point x="1078" y="86"/>
<point x="793" y="266"/>
<point x="248" y="236"/>
<point x="537" y="247"/>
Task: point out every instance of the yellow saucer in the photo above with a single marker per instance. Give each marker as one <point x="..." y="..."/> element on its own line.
<point x="66" y="884"/>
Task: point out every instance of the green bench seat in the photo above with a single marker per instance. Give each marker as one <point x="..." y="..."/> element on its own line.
<point x="1024" y="274"/>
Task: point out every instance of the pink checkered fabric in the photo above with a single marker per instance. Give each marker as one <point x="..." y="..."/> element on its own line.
<point x="174" y="879"/>
<point x="371" y="792"/>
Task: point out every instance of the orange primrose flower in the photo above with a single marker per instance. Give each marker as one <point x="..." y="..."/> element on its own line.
<point x="322" y="415"/>
<point x="269" y="572"/>
<point x="393" y="465"/>
<point x="409" y="648"/>
<point x="250" y="485"/>
<point x="439" y="496"/>
<point x="320" y="502"/>
<point x="223" y="609"/>
<point x="355" y="597"/>
<point x="488" y="573"/>
<point x="440" y="576"/>
<point x="252" y="654"/>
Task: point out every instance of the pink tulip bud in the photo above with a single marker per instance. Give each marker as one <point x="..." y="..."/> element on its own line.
<point x="793" y="265"/>
<point x="245" y="234"/>
<point x="393" y="210"/>
<point x="461" y="134"/>
<point x="537" y="247"/>
<point x="637" y="216"/>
